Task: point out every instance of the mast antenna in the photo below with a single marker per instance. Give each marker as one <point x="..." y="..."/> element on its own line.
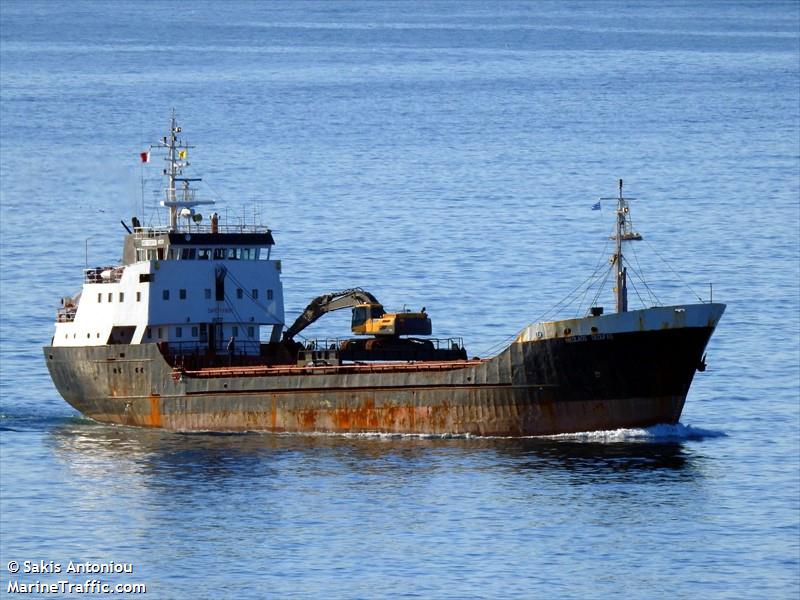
<point x="177" y="153"/>
<point x="624" y="233"/>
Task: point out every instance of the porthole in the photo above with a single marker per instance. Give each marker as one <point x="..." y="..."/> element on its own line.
<point x="567" y="331"/>
<point x="594" y="329"/>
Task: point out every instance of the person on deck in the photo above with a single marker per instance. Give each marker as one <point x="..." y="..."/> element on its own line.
<point x="231" y="349"/>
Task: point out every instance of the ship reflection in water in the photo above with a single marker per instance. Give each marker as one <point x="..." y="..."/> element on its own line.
<point x="372" y="510"/>
<point x="97" y="451"/>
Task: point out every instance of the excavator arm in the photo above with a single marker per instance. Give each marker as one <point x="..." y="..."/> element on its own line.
<point x="327" y="303"/>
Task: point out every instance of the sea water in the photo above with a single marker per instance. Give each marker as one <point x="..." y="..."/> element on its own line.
<point x="438" y="154"/>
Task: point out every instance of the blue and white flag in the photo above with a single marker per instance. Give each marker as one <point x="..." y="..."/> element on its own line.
<point x="596" y="205"/>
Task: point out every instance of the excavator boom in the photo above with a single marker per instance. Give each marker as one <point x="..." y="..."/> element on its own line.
<point x="327" y="303"/>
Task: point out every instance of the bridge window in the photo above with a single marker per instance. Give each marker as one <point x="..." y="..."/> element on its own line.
<point x="165" y="294"/>
<point x="110" y="296"/>
<point x="148" y="333"/>
<point x="138" y="296"/>
<point x="182" y="294"/>
<point x="194" y="332"/>
<point x="122" y="296"/>
<point x="178" y="332"/>
<point x="99" y="297"/>
<point x="204" y="254"/>
<point x="269" y="294"/>
<point x="220" y="253"/>
<point x="235" y="253"/>
<point x="234" y="331"/>
<point x="187" y="253"/>
<point x="239" y="293"/>
<point x="255" y="294"/>
<point x="251" y="331"/>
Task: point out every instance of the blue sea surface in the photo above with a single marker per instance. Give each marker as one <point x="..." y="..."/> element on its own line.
<point x="444" y="154"/>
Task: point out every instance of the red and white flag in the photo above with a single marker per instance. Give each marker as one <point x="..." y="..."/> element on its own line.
<point x="145" y="156"/>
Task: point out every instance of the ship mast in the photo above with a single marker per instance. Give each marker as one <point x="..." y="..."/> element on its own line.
<point x="178" y="200"/>
<point x="624" y="233"/>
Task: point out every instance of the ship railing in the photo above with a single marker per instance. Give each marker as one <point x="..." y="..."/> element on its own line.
<point x="198" y="355"/>
<point x="200" y="348"/>
<point x="109" y="274"/>
<point x="450" y="343"/>
<point x="154" y="232"/>
<point x="66" y="315"/>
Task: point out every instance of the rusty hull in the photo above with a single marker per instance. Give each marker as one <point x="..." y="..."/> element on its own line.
<point x="532" y="388"/>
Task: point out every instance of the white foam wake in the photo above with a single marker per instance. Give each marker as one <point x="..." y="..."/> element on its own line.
<point x="657" y="433"/>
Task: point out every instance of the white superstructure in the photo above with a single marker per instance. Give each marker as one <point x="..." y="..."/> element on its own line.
<point x="194" y="286"/>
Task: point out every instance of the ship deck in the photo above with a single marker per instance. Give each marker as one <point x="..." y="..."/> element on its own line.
<point x="278" y="370"/>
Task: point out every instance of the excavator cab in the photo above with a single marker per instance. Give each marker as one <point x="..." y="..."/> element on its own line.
<point x="372" y="319"/>
<point x="362" y="313"/>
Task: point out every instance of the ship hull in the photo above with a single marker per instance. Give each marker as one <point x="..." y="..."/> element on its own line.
<point x="611" y="379"/>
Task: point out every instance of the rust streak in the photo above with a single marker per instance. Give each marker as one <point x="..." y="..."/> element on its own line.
<point x="154" y="419"/>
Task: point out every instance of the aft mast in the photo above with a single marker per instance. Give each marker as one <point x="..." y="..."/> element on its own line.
<point x="179" y="201"/>
<point x="624" y="233"/>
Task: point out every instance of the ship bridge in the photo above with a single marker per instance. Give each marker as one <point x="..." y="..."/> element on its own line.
<point x="200" y="243"/>
<point x="192" y="285"/>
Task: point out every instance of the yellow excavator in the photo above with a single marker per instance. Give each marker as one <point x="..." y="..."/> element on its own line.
<point x="369" y="318"/>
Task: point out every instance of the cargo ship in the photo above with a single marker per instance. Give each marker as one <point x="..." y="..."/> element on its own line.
<point x="188" y="333"/>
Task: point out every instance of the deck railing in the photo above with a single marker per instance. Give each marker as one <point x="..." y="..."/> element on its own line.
<point x="452" y="343"/>
<point x="110" y="274"/>
<point x="152" y="232"/>
<point x="66" y="315"/>
<point x="199" y="348"/>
